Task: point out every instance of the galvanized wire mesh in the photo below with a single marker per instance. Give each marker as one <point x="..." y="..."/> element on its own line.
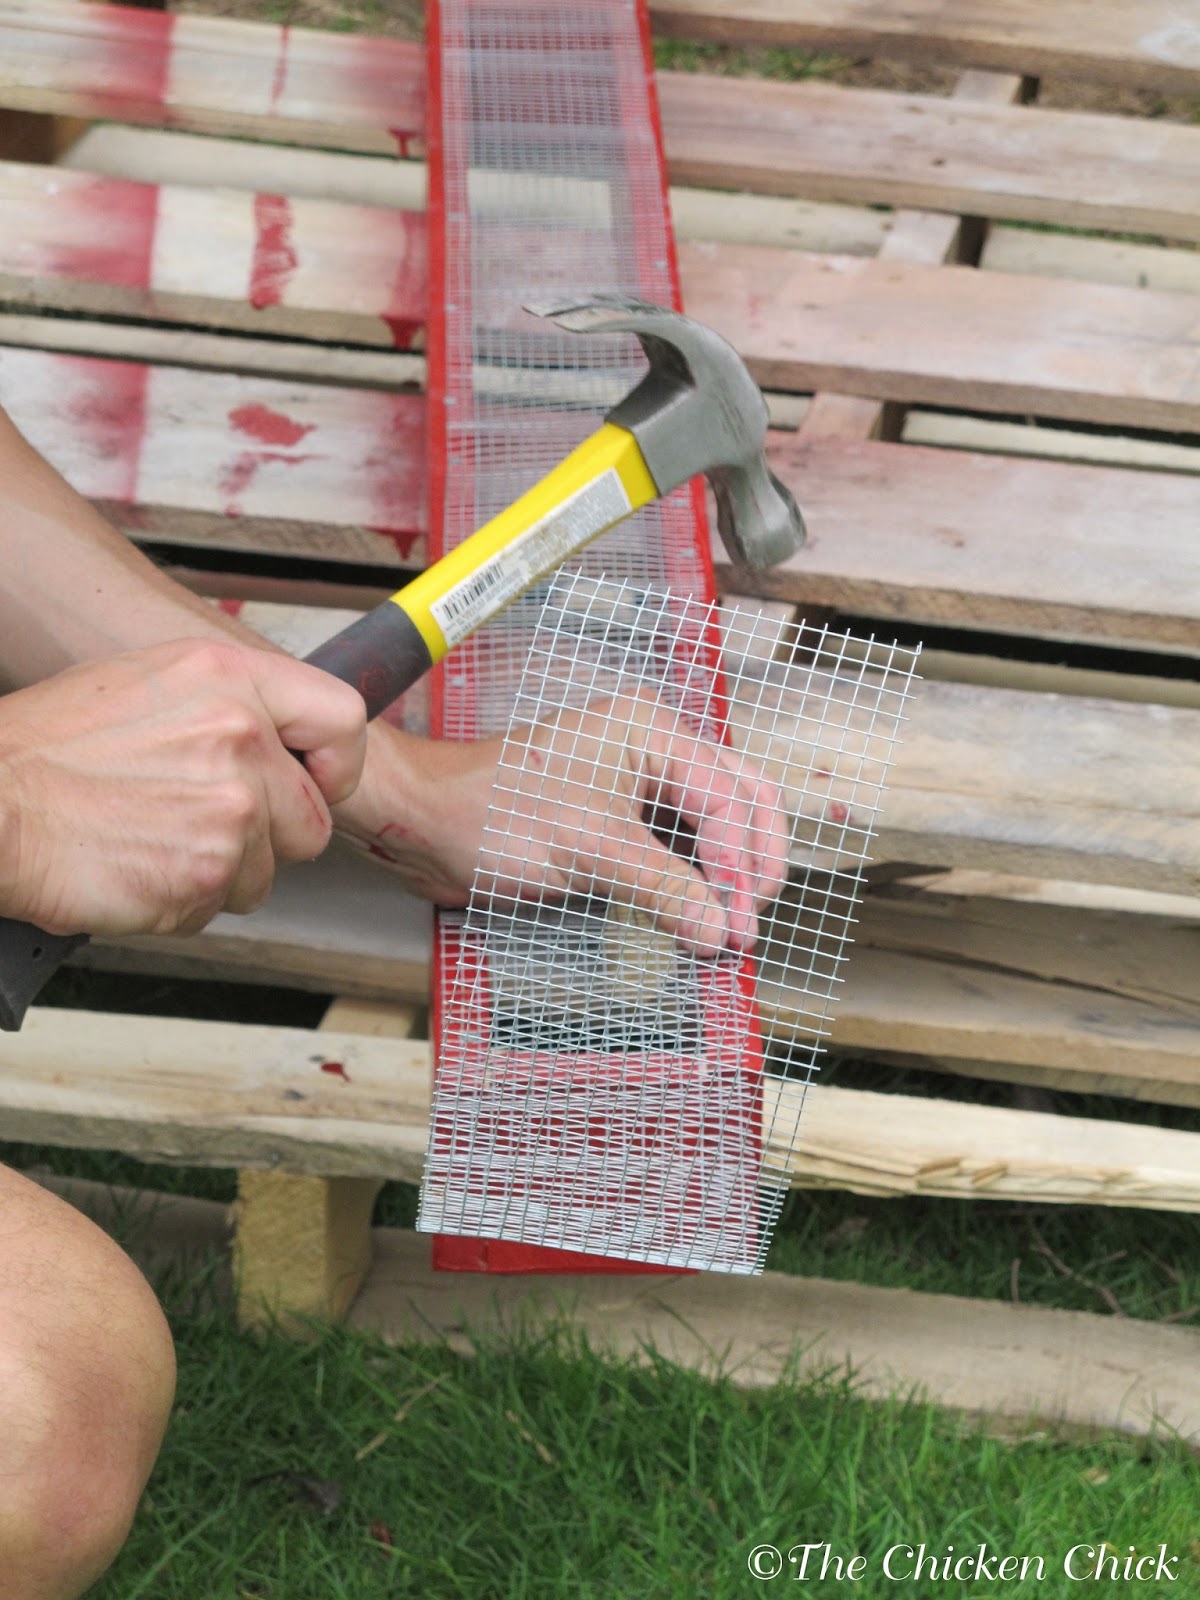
<point x="551" y="188"/>
<point x="603" y="1086"/>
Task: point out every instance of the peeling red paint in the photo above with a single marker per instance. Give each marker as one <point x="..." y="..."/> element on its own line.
<point x="408" y="298"/>
<point x="275" y="258"/>
<point x="237" y="477"/>
<point x="336" y="1069"/>
<point x="279" y="81"/>
<point x="393" y="469"/>
<point x="107" y="408"/>
<point x="404" y="330"/>
<point x="106" y="234"/>
<point x="404" y="540"/>
<point x="127" y="81"/>
<point x="267" y="426"/>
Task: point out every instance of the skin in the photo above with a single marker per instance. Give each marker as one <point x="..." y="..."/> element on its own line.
<point x="146" y="783"/>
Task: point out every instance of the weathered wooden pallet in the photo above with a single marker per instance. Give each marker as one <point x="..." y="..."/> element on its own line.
<point x="1070" y="1370"/>
<point x="938" y="516"/>
<point x="236" y="1094"/>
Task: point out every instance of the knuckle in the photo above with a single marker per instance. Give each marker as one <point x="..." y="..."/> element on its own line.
<point x="238" y="806"/>
<point x="210" y="878"/>
<point x="236" y="723"/>
<point x="213" y="658"/>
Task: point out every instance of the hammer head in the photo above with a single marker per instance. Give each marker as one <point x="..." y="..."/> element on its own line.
<point x="697" y="410"/>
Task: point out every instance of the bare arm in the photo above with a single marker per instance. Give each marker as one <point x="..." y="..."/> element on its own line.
<point x="73" y="589"/>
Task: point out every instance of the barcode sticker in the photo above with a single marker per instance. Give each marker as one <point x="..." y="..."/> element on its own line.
<point x="530" y="556"/>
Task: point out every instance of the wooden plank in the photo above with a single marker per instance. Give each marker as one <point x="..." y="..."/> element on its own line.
<point x="825" y="142"/>
<point x="341" y="924"/>
<point x="894" y="330"/>
<point x="967" y="539"/>
<point x="1050" y="444"/>
<point x="341" y="1103"/>
<point x="978" y="1356"/>
<point x="212" y="75"/>
<point x="1070" y="787"/>
<point x="152" y="155"/>
<point x="200" y="161"/>
<point x="1097" y="790"/>
<point x="1108" y="1002"/>
<point x="1058" y="892"/>
<point x="220" y="1094"/>
<point x="1071" y="1369"/>
<point x="1064" y="255"/>
<point x="222" y="352"/>
<point x="302" y="1243"/>
<point x="1007" y="986"/>
<point x="261" y="263"/>
<point x="1041" y="548"/>
<point x="1152" y="44"/>
<point x="917" y="236"/>
<point x="1048" y="677"/>
<point x="199" y="458"/>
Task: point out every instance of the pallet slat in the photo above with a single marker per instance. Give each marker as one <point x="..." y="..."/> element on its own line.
<point x="1072" y="169"/>
<point x="1072" y="1369"/>
<point x="963" y="538"/>
<point x="227" y="258"/>
<point x="204" y="458"/>
<point x="212" y="75"/>
<point x="814" y="139"/>
<point x="959" y="538"/>
<point x="1057" y="786"/>
<point x="348" y="1104"/>
<point x="895" y="330"/>
<point x="1153" y="44"/>
<point x="1104" y="1002"/>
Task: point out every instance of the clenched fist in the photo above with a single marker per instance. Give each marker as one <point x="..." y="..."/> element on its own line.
<point x="148" y="791"/>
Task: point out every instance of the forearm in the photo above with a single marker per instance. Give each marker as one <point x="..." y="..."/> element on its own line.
<point x="72" y="589"/>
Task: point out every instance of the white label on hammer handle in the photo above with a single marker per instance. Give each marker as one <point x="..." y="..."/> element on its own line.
<point x="530" y="556"/>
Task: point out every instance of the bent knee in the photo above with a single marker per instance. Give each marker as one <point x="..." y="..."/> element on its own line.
<point x="86" y="1382"/>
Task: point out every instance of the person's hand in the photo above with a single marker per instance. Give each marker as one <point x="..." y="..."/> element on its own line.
<point x="581" y="795"/>
<point x="146" y="792"/>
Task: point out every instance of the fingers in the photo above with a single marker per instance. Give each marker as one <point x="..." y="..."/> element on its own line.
<point x="315" y="714"/>
<point x="736" y="815"/>
<point x="630" y="860"/>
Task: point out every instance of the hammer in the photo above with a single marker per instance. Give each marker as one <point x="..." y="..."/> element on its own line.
<point x="696" y="410"/>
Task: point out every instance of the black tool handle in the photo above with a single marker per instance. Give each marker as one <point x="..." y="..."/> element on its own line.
<point x="380" y="655"/>
<point x="28" y="958"/>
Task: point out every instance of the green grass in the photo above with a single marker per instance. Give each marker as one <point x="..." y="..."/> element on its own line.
<point x="788" y="66"/>
<point x="535" y="1468"/>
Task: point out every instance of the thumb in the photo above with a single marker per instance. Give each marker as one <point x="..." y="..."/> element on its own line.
<point x="315" y="714"/>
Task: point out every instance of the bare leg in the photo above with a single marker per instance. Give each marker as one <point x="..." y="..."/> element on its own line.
<point x="87" y="1375"/>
